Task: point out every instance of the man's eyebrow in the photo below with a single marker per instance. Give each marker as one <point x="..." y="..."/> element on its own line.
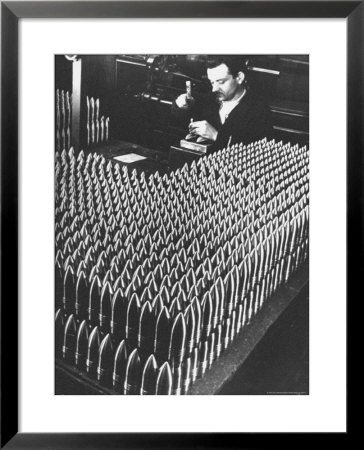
<point x="220" y="79"/>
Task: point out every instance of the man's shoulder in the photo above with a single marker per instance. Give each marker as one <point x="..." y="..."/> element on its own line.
<point x="254" y="105"/>
<point x="255" y="99"/>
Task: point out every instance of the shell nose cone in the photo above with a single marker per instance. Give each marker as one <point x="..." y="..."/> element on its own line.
<point x="149" y="376"/>
<point x="133" y="374"/>
<point x="120" y="364"/>
<point x="164" y="380"/>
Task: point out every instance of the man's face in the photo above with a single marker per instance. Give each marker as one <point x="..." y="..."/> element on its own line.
<point x="224" y="85"/>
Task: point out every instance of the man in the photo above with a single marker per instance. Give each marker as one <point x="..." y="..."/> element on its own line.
<point x="235" y="114"/>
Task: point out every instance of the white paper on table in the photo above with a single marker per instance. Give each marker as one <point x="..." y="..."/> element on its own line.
<point x="130" y="157"/>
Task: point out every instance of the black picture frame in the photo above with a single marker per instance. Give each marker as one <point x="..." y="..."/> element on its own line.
<point x="11" y="13"/>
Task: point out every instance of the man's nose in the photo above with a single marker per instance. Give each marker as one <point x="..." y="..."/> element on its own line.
<point x="214" y="87"/>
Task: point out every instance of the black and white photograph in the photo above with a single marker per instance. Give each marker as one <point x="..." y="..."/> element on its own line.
<point x="181" y="224"/>
<point x="181" y="217"/>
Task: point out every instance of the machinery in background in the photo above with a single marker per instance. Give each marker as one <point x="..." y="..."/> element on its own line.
<point x="146" y="87"/>
<point x="137" y="92"/>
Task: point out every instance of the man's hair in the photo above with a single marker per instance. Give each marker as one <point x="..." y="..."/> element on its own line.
<point x="235" y="63"/>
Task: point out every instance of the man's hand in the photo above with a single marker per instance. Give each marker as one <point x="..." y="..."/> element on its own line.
<point x="204" y="129"/>
<point x="184" y="102"/>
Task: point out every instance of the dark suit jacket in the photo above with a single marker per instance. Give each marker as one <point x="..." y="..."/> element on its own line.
<point x="249" y="121"/>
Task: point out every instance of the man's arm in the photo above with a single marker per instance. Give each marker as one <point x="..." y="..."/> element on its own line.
<point x="183" y="110"/>
<point x="187" y="109"/>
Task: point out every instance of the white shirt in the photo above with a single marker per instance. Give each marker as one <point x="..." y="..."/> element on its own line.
<point x="227" y="107"/>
